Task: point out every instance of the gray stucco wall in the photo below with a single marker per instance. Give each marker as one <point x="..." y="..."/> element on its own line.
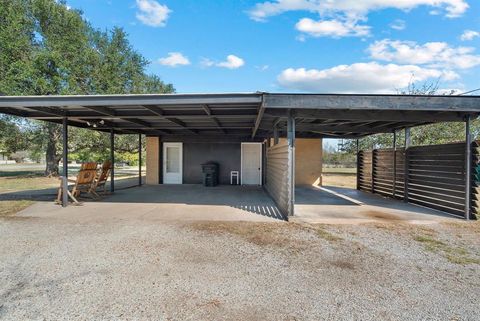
<point x="227" y="155"/>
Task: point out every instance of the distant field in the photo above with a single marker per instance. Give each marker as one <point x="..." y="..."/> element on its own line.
<point x="333" y="170"/>
<point x="340" y="177"/>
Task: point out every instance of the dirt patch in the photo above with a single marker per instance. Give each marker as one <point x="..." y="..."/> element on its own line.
<point x="382" y="216"/>
<point x="287" y="236"/>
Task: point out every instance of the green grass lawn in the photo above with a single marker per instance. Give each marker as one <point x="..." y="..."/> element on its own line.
<point x="29" y="177"/>
<point x="10" y="208"/>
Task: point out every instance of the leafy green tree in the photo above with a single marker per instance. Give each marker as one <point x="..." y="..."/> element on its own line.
<point x="439" y="133"/>
<point x="49" y="49"/>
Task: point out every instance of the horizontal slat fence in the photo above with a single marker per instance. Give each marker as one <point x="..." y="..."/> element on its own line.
<point x="476" y="179"/>
<point x="435" y="175"/>
<point x="277" y="183"/>
<point x="364" y="170"/>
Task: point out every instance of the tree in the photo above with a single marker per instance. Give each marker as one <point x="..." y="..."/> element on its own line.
<point x="49" y="49"/>
<point x="438" y="133"/>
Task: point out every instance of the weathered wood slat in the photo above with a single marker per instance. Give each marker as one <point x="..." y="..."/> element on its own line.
<point x="436" y="175"/>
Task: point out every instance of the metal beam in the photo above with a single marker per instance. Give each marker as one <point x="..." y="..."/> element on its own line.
<point x="406" y="167"/>
<point x="372" y="102"/>
<point x="415" y="116"/>
<point x="208" y="111"/>
<point x="112" y="159"/>
<point x="357" y="160"/>
<point x="110" y="112"/>
<point x="275" y="134"/>
<point x="332" y="128"/>
<point x="291" y="162"/>
<point x="394" y="179"/>
<point x="155" y="109"/>
<point x="65" y="162"/>
<point x="132" y="100"/>
<point x="261" y="111"/>
<point x="139" y="159"/>
<point x="468" y="167"/>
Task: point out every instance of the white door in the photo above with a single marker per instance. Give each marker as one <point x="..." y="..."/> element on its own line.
<point x="251" y="164"/>
<point x="172" y="163"/>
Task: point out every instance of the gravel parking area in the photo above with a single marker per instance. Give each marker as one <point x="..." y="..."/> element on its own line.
<point x="61" y="269"/>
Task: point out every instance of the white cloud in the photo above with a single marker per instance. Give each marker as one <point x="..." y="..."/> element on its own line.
<point x="398" y="24"/>
<point x="174" y="59"/>
<point x="469" y="35"/>
<point x="340" y="18"/>
<point x="432" y="54"/>
<point x="369" y="77"/>
<point x="261" y="11"/>
<point x="332" y="28"/>
<point x="231" y="62"/>
<point x="152" y="13"/>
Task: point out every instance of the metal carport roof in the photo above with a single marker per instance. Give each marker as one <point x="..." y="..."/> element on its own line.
<point x="244" y="115"/>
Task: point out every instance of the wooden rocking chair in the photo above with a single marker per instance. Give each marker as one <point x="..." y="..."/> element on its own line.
<point x="83" y="183"/>
<point x="101" y="179"/>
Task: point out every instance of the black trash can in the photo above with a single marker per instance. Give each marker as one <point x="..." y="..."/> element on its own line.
<point x="210" y="174"/>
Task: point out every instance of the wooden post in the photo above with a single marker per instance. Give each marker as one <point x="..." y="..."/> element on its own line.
<point x="406" y="167"/>
<point x="65" y="162"/>
<point x="468" y="166"/>
<point x="139" y="159"/>
<point x="291" y="161"/>
<point x="394" y="178"/>
<point x="112" y="159"/>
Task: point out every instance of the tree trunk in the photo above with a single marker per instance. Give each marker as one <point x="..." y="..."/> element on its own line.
<point x="52" y="156"/>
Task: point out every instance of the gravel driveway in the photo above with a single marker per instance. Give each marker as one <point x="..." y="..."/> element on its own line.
<point x="61" y="269"/>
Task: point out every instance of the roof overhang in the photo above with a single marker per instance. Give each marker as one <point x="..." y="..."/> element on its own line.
<point x="244" y="115"/>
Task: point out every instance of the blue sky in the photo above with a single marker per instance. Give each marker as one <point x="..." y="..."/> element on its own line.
<point x="374" y="46"/>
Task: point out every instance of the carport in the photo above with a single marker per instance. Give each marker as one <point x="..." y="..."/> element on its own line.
<point x="255" y="117"/>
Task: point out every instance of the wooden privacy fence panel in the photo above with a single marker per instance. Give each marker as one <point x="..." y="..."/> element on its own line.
<point x="364" y="170"/>
<point x="278" y="181"/>
<point x="476" y="179"/>
<point x="383" y="172"/>
<point x="400" y="173"/>
<point x="435" y="175"/>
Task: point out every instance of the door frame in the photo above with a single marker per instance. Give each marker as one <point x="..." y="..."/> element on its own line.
<point x="164" y="160"/>
<point x="261" y="163"/>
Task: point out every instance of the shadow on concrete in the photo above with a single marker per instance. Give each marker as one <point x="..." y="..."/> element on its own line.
<point x="309" y="195"/>
<point x="352" y="202"/>
<point x="252" y="199"/>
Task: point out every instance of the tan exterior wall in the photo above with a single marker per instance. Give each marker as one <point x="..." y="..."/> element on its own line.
<point x="308" y="160"/>
<point x="153" y="160"/>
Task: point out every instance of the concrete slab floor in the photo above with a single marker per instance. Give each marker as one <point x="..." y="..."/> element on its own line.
<point x="335" y="205"/>
<point x="169" y="203"/>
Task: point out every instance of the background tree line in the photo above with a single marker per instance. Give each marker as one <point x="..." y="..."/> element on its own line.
<point x="49" y="49"/>
<point x="439" y="133"/>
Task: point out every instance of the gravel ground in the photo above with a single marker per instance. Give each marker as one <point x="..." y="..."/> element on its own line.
<point x="53" y="269"/>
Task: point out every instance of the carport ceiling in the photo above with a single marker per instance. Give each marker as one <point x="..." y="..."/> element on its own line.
<point x="251" y="115"/>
